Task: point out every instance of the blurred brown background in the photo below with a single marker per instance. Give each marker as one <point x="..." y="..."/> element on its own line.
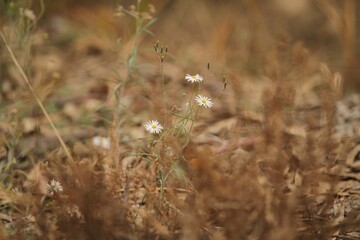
<point x="237" y="34"/>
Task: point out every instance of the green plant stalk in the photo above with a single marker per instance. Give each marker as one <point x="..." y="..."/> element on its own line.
<point x="139" y="28"/>
<point x="191" y="126"/>
<point x="193" y="120"/>
<point x="26" y="79"/>
<point x="195" y="91"/>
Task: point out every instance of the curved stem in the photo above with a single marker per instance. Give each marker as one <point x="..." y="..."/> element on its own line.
<point x="193" y="120"/>
<point x="26" y="79"/>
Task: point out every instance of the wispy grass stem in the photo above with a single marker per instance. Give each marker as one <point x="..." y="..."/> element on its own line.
<point x="26" y="79"/>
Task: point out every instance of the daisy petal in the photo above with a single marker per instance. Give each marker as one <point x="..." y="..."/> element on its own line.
<point x="194" y="78"/>
<point x="204" y="101"/>
<point x="153" y="126"/>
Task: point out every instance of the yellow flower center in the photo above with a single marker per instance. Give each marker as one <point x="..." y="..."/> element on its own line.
<point x="194" y="76"/>
<point x="203" y="101"/>
<point x="153" y="126"/>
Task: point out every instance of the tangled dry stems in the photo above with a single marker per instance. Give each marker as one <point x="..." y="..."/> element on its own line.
<point x="275" y="177"/>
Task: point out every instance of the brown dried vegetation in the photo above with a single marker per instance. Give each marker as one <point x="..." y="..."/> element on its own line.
<point x="275" y="158"/>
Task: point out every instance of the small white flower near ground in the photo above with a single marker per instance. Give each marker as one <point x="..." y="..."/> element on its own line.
<point x="194" y="78"/>
<point x="102" y="142"/>
<point x="28" y="14"/>
<point x="74" y="211"/>
<point x="54" y="186"/>
<point x="153" y="126"/>
<point x="204" y="101"/>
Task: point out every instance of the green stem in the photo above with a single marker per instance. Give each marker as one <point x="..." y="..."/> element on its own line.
<point x="193" y="120"/>
<point x="191" y="126"/>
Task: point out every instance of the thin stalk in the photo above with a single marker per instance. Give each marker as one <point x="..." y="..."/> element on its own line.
<point x="195" y="91"/>
<point x="193" y="120"/>
<point x="191" y="126"/>
<point x="133" y="58"/>
<point x="26" y="79"/>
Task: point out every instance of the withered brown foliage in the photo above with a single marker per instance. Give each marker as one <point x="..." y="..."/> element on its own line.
<point x="274" y="168"/>
<point x="280" y="186"/>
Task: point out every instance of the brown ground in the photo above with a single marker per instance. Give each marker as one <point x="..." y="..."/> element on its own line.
<point x="276" y="156"/>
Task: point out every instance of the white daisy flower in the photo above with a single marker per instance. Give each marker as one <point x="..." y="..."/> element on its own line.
<point x="153" y="126"/>
<point x="28" y="14"/>
<point x="54" y="186"/>
<point x="103" y="142"/>
<point x="194" y="78"/>
<point x="74" y="211"/>
<point x="204" y="101"/>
